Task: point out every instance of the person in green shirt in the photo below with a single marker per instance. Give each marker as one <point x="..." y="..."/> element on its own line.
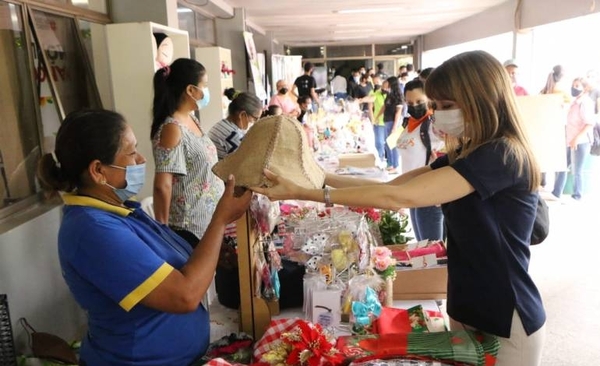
<point x="377" y="118"/>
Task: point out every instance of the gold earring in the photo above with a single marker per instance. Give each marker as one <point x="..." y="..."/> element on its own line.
<point x="103" y="181"/>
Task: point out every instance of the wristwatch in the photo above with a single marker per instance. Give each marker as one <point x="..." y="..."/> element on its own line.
<point x="327" y="194"/>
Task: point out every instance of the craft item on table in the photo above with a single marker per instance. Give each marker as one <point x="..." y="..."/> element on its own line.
<point x="326" y="308"/>
<point x="357" y="289"/>
<point x="375" y="173"/>
<point x="326" y="270"/>
<point x="265" y="213"/>
<point x="315" y="244"/>
<point x="415" y="319"/>
<point x="296" y="342"/>
<point x="385" y="266"/>
<point x="359" y="228"/>
<point x="346" y="252"/>
<point x="345" y="131"/>
<point x="418" y="319"/>
<point x="275" y="281"/>
<point x="266" y="272"/>
<point x="365" y="311"/>
<point x="404" y="254"/>
<point x="459" y="347"/>
<point x="277" y="143"/>
<point x="233" y="348"/>
<point x="312" y="282"/>
<point x="398" y="362"/>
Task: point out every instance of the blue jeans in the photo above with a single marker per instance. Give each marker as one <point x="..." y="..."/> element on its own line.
<point x="390" y="154"/>
<point x="575" y="160"/>
<point x="427" y="222"/>
<point x="339" y="96"/>
<point x="380" y="136"/>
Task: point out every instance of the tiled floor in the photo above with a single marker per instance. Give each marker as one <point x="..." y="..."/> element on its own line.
<point x="566" y="269"/>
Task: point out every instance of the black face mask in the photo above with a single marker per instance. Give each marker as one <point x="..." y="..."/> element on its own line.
<point x="377" y="87"/>
<point x="575" y="92"/>
<point x="417" y="111"/>
<point x="283" y="91"/>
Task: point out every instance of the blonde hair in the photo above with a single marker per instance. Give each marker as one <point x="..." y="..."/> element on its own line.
<point x="481" y="88"/>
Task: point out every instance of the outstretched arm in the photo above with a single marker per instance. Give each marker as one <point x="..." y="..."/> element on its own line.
<point x="425" y="189"/>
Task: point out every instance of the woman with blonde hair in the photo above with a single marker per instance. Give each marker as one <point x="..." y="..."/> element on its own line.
<point x="486" y="185"/>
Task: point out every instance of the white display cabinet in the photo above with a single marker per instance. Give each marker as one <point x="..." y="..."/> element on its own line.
<point x="213" y="59"/>
<point x="131" y="49"/>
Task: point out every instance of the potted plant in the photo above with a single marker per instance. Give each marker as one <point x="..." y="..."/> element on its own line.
<point x="393" y="227"/>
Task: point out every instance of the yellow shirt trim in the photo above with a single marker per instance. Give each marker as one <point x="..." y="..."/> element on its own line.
<point x="146" y="287"/>
<point x="76" y="200"/>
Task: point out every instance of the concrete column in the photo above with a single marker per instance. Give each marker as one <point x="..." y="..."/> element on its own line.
<point x="418" y="52"/>
<point x="229" y="34"/>
<point x="157" y="11"/>
<point x="523" y="53"/>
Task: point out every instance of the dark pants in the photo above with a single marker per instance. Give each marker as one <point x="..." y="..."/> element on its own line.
<point x="187" y="236"/>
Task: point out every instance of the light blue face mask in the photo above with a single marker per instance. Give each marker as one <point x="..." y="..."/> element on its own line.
<point x="135" y="175"/>
<point x="202" y="103"/>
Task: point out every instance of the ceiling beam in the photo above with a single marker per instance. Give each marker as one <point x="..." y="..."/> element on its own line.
<point x="256" y="27"/>
<point x="209" y="8"/>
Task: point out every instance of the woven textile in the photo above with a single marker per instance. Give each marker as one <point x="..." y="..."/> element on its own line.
<point x="277" y="143"/>
<point x="456" y="348"/>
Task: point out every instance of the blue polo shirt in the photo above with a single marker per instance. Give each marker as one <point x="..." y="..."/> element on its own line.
<point x="489" y="232"/>
<point x="111" y="258"/>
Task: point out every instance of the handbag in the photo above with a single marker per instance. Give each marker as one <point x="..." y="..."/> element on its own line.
<point x="541" y="225"/>
<point x="48" y="346"/>
<point x="595" y="146"/>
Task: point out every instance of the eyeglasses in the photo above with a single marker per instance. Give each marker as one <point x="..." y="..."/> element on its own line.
<point x="255" y="118"/>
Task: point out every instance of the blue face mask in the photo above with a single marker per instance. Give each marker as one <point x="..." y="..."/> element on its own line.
<point x="135" y="175"/>
<point x="202" y="103"/>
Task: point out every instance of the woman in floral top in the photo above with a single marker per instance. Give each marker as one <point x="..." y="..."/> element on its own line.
<point x="186" y="191"/>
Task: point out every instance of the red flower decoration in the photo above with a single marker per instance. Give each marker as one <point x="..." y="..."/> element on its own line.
<point x="372" y="214"/>
<point x="310" y="346"/>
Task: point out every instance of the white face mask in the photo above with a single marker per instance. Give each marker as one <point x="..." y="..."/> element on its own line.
<point x="451" y="122"/>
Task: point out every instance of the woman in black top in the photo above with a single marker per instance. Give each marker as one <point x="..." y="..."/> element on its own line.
<point x="392" y="116"/>
<point x="487" y="187"/>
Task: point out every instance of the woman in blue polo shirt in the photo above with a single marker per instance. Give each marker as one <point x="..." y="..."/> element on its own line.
<point x="139" y="282"/>
<point x="487" y="187"/>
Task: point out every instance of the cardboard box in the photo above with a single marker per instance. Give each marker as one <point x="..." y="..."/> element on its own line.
<point x="421" y="284"/>
<point x="357" y="160"/>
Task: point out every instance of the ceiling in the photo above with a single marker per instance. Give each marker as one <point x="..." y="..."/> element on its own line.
<point x="321" y="22"/>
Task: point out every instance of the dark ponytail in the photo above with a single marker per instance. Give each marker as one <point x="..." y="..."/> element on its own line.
<point x="395" y="89"/>
<point x="84" y="136"/>
<point x="170" y="83"/>
<point x="243" y="102"/>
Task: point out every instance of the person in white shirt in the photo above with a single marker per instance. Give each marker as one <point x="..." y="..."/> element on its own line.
<point x="418" y="146"/>
<point x="339" y="86"/>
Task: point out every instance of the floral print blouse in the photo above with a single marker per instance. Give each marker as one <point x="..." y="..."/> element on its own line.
<point x="195" y="190"/>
